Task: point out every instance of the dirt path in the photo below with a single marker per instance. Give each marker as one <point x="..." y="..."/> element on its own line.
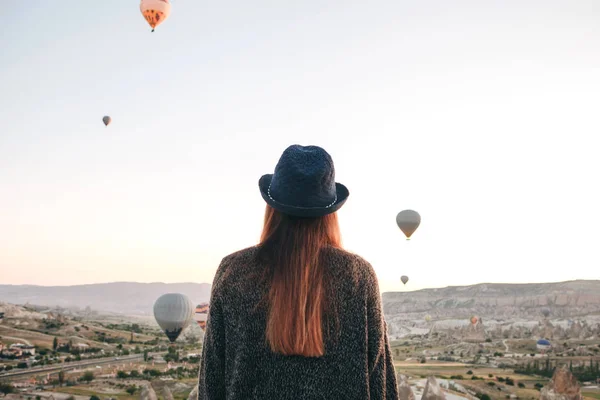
<point x="24" y="341"/>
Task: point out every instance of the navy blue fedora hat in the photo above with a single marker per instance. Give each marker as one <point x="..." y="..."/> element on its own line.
<point x="304" y="183"/>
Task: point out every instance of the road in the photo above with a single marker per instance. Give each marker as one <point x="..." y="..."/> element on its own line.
<point x="70" y="366"/>
<point x="505" y="345"/>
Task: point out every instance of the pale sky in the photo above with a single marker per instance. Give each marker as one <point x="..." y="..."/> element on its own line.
<point x="484" y="116"/>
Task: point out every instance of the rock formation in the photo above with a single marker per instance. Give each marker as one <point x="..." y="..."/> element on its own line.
<point x="194" y="393"/>
<point x="167" y="393"/>
<point x="563" y="386"/>
<point x="404" y="388"/>
<point x="433" y="391"/>
<point x="148" y="393"/>
<point x="514" y="307"/>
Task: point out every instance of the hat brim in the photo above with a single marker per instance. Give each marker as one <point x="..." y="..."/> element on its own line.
<point x="342" y="196"/>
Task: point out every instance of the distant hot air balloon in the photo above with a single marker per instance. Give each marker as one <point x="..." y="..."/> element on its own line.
<point x="408" y="221"/>
<point x="106" y="119"/>
<point x="545" y="312"/>
<point x="474" y="320"/>
<point x="543" y="345"/>
<point x="428" y="318"/>
<point x="201" y="315"/>
<point x="155" y="11"/>
<point x="404" y="279"/>
<point x="173" y="312"/>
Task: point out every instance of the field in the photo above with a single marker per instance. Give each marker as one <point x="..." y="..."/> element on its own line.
<point x="484" y="383"/>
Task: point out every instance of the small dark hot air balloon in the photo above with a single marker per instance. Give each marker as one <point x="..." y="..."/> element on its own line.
<point x="545" y="312"/>
<point x="106" y="119"/>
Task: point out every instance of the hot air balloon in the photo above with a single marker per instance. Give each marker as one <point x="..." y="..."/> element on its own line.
<point x="545" y="312"/>
<point x="201" y="315"/>
<point x="155" y="11"/>
<point x="427" y="318"/>
<point x="543" y="345"/>
<point x="173" y="312"/>
<point x="106" y="119"/>
<point x="474" y="320"/>
<point x="404" y="279"/>
<point x="408" y="221"/>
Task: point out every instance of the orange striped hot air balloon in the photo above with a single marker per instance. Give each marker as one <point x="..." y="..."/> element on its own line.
<point x="201" y="315"/>
<point x="155" y="11"/>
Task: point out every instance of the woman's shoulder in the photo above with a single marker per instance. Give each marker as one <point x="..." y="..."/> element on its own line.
<point x="240" y="256"/>
<point x="234" y="261"/>
<point x="345" y="261"/>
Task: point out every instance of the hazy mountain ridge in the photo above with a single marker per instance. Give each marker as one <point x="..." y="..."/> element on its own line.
<point x="502" y="306"/>
<point x="117" y="297"/>
<point x="498" y="299"/>
<point x="488" y="300"/>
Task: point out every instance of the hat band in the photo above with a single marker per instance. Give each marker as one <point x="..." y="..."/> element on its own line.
<point x="271" y="197"/>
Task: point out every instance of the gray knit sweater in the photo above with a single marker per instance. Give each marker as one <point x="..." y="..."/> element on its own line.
<point x="238" y="364"/>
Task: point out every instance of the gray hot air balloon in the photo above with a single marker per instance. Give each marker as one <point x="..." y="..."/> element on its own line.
<point x="106" y="119"/>
<point x="408" y="221"/>
<point x="173" y="312"/>
<point x="404" y="279"/>
<point x="545" y="312"/>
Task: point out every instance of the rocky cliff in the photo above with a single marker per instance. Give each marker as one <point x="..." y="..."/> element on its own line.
<point x="573" y="305"/>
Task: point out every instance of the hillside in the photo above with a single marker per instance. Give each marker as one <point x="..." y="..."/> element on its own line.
<point x="500" y="306"/>
<point x="118" y="297"/>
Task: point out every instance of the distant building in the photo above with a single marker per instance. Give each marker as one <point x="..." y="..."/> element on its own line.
<point x="81" y="346"/>
<point x="19" y="349"/>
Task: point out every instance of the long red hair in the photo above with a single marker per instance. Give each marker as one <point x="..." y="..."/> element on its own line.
<point x="297" y="298"/>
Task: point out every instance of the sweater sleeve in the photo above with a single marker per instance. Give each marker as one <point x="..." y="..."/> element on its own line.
<point x="211" y="382"/>
<point x="382" y="374"/>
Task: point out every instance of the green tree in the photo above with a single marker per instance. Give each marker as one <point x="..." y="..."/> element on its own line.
<point x="122" y="375"/>
<point x="94" y="397"/>
<point x="131" y="390"/>
<point x="88" y="376"/>
<point x="145" y="355"/>
<point x="6" y="388"/>
<point x="55" y="343"/>
<point x="61" y="377"/>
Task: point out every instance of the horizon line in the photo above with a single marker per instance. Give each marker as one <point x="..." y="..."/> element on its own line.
<point x="206" y="283"/>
